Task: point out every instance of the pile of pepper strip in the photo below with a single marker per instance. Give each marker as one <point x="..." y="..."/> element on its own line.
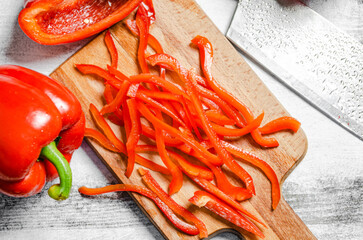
<point x="189" y="120"/>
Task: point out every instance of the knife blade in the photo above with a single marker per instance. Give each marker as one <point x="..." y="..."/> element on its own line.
<point x="306" y="52"/>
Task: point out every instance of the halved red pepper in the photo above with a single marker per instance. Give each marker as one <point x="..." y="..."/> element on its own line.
<point x="52" y="22"/>
<point x="33" y="122"/>
<point x="73" y="120"/>
<point x="203" y="199"/>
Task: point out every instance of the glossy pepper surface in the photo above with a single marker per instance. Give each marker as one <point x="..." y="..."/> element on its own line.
<point x="36" y="111"/>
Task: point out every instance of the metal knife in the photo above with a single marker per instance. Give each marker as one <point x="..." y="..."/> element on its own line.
<point x="302" y="49"/>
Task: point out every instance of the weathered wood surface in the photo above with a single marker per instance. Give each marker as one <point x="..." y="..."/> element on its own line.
<point x="325" y="190"/>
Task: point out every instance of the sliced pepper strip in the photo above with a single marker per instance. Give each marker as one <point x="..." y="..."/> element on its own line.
<point x="177" y="176"/>
<point x="172" y="63"/>
<point x="206" y="56"/>
<point x="142" y="22"/>
<point x="213" y="138"/>
<point x="133" y="136"/>
<point x="92" y="69"/>
<point x="204" y="199"/>
<point x="110" y="44"/>
<point x="160" y="95"/>
<point x="179" y="210"/>
<point x="219" y="118"/>
<point x="238" y="132"/>
<point x="106" y="129"/>
<point x="178" y="134"/>
<point x="159" y="106"/>
<point x="282" y="123"/>
<point x="186" y="166"/>
<point x="177" y="222"/>
<point x="150" y="133"/>
<point x="108" y="95"/>
<point x="263" y="166"/>
<point x="117" y="101"/>
<point x="150" y="78"/>
<point x="104" y="142"/>
<point x="235" y="192"/>
<point x="101" y="139"/>
<point x="211" y="188"/>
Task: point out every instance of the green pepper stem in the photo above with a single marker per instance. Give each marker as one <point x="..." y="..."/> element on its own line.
<point x="58" y="191"/>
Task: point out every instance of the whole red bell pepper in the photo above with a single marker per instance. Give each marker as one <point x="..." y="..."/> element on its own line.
<point x="44" y="112"/>
<point x="52" y="22"/>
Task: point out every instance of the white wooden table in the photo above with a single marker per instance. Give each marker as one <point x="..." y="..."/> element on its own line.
<point x="325" y="190"/>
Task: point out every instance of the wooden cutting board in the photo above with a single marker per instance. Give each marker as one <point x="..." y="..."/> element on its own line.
<point x="177" y="23"/>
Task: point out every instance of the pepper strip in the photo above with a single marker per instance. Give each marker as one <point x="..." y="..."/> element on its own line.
<point x="206" y="56"/>
<point x="234" y="132"/>
<point x="191" y="84"/>
<point x="177" y="222"/>
<point x="108" y="95"/>
<point x="204" y="199"/>
<point x="133" y="136"/>
<point x="282" y="123"/>
<point x="211" y="188"/>
<point x="150" y="133"/>
<point x="172" y="63"/>
<point x="150" y="78"/>
<point x="104" y="142"/>
<point x="177" y="176"/>
<point x="110" y="44"/>
<point x="160" y="95"/>
<point x="178" y="134"/>
<point x="117" y="101"/>
<point x="186" y="166"/>
<point x="152" y="41"/>
<point x="106" y="129"/>
<point x="101" y="139"/>
<point x="262" y="165"/>
<point x="179" y="210"/>
<point x="92" y="69"/>
<point x="191" y="120"/>
<point x="142" y="22"/>
<point x="159" y="106"/>
<point x="218" y="118"/>
<point x="223" y="183"/>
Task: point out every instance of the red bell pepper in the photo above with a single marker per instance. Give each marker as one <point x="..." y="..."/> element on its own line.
<point x="33" y="123"/>
<point x="73" y="119"/>
<point x="52" y="22"/>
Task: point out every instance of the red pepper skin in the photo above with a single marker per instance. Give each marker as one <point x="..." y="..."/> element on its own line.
<point x="203" y="199"/>
<point x="30" y="116"/>
<point x="32" y="184"/>
<point x="73" y="120"/>
<point x="67" y="104"/>
<point x="181" y="225"/>
<point x="52" y="22"/>
<point x="70" y="140"/>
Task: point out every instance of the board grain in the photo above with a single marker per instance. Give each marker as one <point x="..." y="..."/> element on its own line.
<point x="177" y="23"/>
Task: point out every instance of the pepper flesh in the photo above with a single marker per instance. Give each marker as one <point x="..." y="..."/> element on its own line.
<point x="203" y="199"/>
<point x="52" y="22"/>
<point x="179" y="210"/>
